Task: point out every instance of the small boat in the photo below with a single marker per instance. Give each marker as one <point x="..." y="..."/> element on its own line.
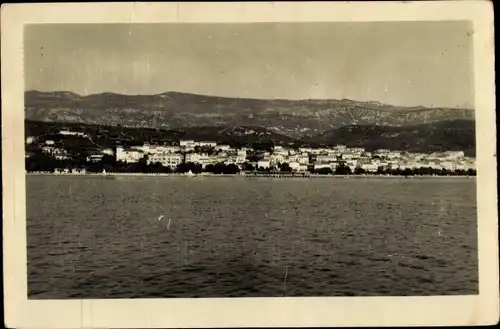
<point x="106" y="175"/>
<point x="190" y="174"/>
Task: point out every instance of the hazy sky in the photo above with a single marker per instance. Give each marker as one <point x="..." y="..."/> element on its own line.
<point x="408" y="63"/>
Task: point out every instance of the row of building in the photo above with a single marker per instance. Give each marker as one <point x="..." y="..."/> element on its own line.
<point x="298" y="159"/>
<point x="186" y="151"/>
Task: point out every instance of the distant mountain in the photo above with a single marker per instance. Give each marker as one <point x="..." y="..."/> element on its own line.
<point x="439" y="136"/>
<point x="453" y="135"/>
<point x="173" y="110"/>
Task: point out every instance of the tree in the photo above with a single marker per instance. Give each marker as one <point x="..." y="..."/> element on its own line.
<point x="231" y="169"/>
<point x="41" y="162"/>
<point x="359" y="171"/>
<point x="407" y="172"/>
<point x="219" y="168"/>
<point x="209" y="150"/>
<point x="108" y="160"/>
<point x="285" y="167"/>
<point x="156" y="167"/>
<point x="342" y="169"/>
<point x="471" y="172"/>
<point x="195" y="168"/>
<point x="324" y="171"/>
<point x="248" y="167"/>
<point x="209" y="168"/>
<point x="142" y="165"/>
<point x="397" y="172"/>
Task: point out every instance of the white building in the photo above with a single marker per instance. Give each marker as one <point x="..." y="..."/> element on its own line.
<point x="324" y="158"/>
<point x="347" y="156"/>
<point x="303" y="159"/>
<point x="49" y="142"/>
<point x="370" y="167"/>
<point x="357" y="150"/>
<point x="280" y="150"/>
<point x="206" y="160"/>
<point x="61" y="171"/>
<point x="454" y="154"/>
<point x="95" y="158"/>
<point x="295" y="166"/>
<point x="72" y="133"/>
<point x="193" y="157"/>
<point x="230" y="160"/>
<point x="323" y="165"/>
<point x="306" y="149"/>
<point x="222" y="147"/>
<point x="129" y="155"/>
<point x="241" y="156"/>
<point x="48" y="149"/>
<point x="60" y="156"/>
<point x="470" y="165"/>
<point x="166" y="159"/>
<point x="352" y="162"/>
<point x="165" y="149"/>
<point x="394" y="155"/>
<point x="187" y="143"/>
<point x="264" y="163"/>
<point x="207" y="144"/>
<point x="382" y="151"/>
<point x="108" y="151"/>
<point x="30" y="139"/>
<point x="277" y="158"/>
<point x="448" y="165"/>
<point x="318" y="151"/>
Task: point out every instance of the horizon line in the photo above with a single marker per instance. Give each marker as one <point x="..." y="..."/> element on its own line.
<point x="258" y="99"/>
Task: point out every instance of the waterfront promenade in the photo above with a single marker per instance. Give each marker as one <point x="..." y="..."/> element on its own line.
<point x="252" y="175"/>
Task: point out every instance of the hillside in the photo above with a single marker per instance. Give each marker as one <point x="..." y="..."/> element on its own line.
<point x="113" y="135"/>
<point x="440" y="136"/>
<point x="173" y="110"/>
<point x="446" y="135"/>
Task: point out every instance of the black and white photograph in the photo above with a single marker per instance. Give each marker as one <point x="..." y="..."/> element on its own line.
<point x="195" y="160"/>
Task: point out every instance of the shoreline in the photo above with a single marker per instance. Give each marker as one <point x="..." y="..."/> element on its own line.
<point x="112" y="175"/>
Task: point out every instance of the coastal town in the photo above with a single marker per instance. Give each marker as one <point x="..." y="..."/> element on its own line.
<point x="211" y="156"/>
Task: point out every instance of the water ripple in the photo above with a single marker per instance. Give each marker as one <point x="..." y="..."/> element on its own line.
<point x="95" y="238"/>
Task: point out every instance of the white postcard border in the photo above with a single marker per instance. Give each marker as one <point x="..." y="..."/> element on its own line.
<point x="245" y="312"/>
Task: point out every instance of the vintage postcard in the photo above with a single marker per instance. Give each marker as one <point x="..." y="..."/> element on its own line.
<point x="249" y="164"/>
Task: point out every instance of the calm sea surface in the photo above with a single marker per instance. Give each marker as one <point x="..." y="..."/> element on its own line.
<point x="90" y="237"/>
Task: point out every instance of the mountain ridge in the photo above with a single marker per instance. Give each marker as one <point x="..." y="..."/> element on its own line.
<point x="294" y="118"/>
<point x="172" y="92"/>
